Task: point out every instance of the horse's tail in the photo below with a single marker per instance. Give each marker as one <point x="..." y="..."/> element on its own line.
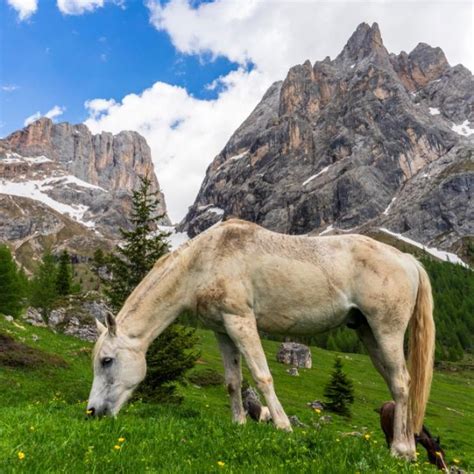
<point x="421" y="351"/>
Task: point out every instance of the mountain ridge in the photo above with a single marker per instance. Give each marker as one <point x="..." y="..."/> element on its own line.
<point x="337" y="141"/>
<point x="65" y="169"/>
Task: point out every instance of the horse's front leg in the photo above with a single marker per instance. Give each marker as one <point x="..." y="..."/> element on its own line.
<point x="233" y="376"/>
<point x="242" y="329"/>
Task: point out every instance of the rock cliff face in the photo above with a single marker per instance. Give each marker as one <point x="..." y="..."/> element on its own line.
<point x="113" y="162"/>
<point x="59" y="177"/>
<point x="334" y="144"/>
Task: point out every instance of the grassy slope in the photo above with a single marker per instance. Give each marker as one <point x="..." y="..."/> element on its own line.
<point x="42" y="415"/>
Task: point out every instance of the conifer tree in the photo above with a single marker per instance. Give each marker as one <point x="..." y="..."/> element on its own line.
<point x="10" y="286"/>
<point x="24" y="284"/>
<point x="171" y="354"/>
<point x="339" y="391"/>
<point x="43" y="285"/>
<point x="63" y="277"/>
<point x="168" y="359"/>
<point x="142" y="246"/>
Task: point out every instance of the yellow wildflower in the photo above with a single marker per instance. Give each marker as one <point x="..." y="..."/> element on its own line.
<point x="21" y="455"/>
<point x="121" y="440"/>
<point x="438" y="453"/>
<point x="456" y="461"/>
<point x="220" y="463"/>
<point x="88" y="412"/>
<point x="32" y="428"/>
<point x="117" y="447"/>
<point x="317" y="410"/>
<point x="367" y="436"/>
<point x="337" y="439"/>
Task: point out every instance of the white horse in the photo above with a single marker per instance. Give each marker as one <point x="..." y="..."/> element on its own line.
<point x="240" y="278"/>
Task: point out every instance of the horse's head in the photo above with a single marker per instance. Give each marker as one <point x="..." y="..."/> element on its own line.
<point x="119" y="366"/>
<point x="433" y="448"/>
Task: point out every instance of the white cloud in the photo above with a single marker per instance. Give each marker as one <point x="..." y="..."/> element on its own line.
<point x="185" y="133"/>
<point x="56" y="111"/>
<point x="9" y="88"/>
<point x="79" y="7"/>
<point x="32" y="118"/>
<point x="24" y="8"/>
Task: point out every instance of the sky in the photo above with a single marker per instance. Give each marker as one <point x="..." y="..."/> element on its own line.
<point x="186" y="73"/>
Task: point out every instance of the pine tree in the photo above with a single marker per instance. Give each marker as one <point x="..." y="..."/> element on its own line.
<point x="24" y="284"/>
<point x="171" y="354"/>
<point x="339" y="391"/>
<point x="43" y="285"/>
<point x="143" y="245"/>
<point x="63" y="277"/>
<point x="10" y="286"/>
<point x="168" y="359"/>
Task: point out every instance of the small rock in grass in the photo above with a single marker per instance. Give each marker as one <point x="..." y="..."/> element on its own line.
<point x="9" y="318"/>
<point x="293" y="371"/>
<point x="295" y="421"/>
<point x="317" y="405"/>
<point x="35" y="337"/>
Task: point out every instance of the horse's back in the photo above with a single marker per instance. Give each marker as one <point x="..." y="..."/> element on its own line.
<point x="303" y="284"/>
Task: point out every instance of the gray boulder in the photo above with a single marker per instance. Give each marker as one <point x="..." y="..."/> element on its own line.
<point x="293" y="353"/>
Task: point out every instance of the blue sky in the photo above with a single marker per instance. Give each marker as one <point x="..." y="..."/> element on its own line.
<point x="186" y="73"/>
<point x="56" y="59"/>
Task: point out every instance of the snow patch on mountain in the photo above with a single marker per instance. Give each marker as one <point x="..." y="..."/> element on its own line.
<point x="441" y="254"/>
<point x="175" y="239"/>
<point x="37" y="190"/>
<point x="315" y="176"/>
<point x="389" y="206"/>
<point x="463" y="128"/>
<point x="15" y="158"/>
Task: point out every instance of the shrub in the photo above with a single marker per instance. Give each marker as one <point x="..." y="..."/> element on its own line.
<point x="206" y="377"/>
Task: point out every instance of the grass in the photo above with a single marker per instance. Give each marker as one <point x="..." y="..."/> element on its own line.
<point x="42" y="416"/>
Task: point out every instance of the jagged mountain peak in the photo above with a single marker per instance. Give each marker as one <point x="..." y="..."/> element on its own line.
<point x="365" y="41"/>
<point x="86" y="178"/>
<point x="114" y="162"/>
<point x="334" y="144"/>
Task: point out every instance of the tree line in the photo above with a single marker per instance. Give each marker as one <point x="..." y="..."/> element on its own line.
<point x="51" y="280"/>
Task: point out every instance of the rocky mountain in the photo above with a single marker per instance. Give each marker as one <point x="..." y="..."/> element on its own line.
<point x="367" y="140"/>
<point x="61" y="185"/>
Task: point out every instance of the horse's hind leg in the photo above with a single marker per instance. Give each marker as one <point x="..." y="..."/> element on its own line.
<point x="386" y="351"/>
<point x="367" y="337"/>
<point x="233" y="375"/>
<point x="242" y="329"/>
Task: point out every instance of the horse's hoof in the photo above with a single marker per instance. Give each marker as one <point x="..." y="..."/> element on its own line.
<point x="403" y="451"/>
<point x="241" y="420"/>
<point x="285" y="427"/>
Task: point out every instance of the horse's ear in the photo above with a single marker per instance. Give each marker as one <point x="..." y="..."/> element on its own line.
<point x="100" y="327"/>
<point x="111" y="324"/>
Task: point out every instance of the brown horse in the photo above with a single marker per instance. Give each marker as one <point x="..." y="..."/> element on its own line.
<point x="432" y="445"/>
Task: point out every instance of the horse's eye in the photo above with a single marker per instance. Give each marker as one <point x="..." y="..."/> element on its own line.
<point x="107" y="361"/>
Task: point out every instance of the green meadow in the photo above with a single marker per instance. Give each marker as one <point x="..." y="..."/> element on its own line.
<point x="43" y="427"/>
